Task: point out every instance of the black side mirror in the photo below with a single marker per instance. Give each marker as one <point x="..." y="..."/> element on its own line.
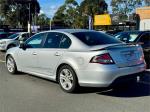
<point x="22" y="46"/>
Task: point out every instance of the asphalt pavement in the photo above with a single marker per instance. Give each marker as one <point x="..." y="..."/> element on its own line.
<point x="27" y="93"/>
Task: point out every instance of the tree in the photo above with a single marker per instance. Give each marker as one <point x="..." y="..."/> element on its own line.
<point x="43" y="20"/>
<point x="124" y="7"/>
<point x="147" y="2"/>
<point x="16" y="12"/>
<point x="65" y="15"/>
<point x="72" y="15"/>
<point x="91" y="8"/>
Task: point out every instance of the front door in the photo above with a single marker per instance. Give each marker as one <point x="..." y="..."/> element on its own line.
<point x="28" y="57"/>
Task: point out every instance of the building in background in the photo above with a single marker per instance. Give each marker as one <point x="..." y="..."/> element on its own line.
<point x="144" y="18"/>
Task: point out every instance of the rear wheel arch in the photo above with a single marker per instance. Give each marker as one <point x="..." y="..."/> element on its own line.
<point x="61" y="65"/>
<point x="68" y="81"/>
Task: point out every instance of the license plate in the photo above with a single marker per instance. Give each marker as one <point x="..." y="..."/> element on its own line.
<point x="129" y="55"/>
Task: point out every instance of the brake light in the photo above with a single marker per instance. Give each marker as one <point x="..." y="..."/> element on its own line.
<point x="102" y="59"/>
<point x="142" y="55"/>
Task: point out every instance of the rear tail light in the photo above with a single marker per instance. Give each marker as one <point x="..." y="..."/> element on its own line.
<point x="142" y="55"/>
<point x="102" y="59"/>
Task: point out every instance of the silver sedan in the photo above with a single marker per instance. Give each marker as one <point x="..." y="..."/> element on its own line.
<point x="74" y="58"/>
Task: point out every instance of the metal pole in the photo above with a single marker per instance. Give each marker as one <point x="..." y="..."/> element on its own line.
<point x="90" y="22"/>
<point x="50" y="24"/>
<point x="29" y="18"/>
<point x="35" y="16"/>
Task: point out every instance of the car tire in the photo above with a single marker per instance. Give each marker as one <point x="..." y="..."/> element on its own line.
<point x="11" y="65"/>
<point x="67" y="79"/>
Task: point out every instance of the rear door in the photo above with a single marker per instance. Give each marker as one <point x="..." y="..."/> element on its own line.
<point x="51" y="53"/>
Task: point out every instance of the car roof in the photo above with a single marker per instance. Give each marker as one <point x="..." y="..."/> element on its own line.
<point x="73" y="30"/>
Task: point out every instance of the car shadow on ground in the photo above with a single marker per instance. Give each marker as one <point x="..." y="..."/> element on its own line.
<point x="135" y="90"/>
<point x="139" y="89"/>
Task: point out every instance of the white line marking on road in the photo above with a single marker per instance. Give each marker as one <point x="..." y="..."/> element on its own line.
<point x="1" y="61"/>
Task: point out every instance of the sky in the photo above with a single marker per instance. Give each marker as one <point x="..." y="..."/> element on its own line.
<point x="49" y="7"/>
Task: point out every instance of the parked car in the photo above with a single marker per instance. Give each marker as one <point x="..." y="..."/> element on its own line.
<point x="75" y="57"/>
<point x="112" y="32"/>
<point x="13" y="40"/>
<point x="4" y="35"/>
<point x="141" y="37"/>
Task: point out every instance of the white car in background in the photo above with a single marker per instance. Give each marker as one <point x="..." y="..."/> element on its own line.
<point x="13" y="40"/>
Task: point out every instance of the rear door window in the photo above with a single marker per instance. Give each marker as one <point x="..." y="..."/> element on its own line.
<point x="65" y="42"/>
<point x="53" y="40"/>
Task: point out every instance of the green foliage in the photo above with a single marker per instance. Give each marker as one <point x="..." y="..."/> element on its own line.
<point x="74" y="16"/>
<point x="16" y="12"/>
<point x="66" y="14"/>
<point x="92" y="7"/>
<point x="125" y="7"/>
<point x="43" y="20"/>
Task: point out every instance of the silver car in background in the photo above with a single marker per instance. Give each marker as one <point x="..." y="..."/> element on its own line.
<point x="13" y="40"/>
<point x="75" y="57"/>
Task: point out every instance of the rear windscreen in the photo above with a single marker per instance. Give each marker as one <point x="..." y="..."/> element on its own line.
<point x="95" y="38"/>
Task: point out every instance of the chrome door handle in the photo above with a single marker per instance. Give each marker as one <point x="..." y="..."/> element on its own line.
<point x="57" y="54"/>
<point x="34" y="53"/>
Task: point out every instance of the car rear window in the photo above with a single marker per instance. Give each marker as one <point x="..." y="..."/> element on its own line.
<point x="95" y="38"/>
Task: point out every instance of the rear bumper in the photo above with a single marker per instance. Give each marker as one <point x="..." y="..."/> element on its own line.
<point x="126" y="78"/>
<point x="104" y="77"/>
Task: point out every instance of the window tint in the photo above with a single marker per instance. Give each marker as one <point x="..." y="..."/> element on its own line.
<point x="24" y="37"/>
<point x="145" y="37"/>
<point x="35" y="41"/>
<point x="13" y="36"/>
<point x="123" y="37"/>
<point x="53" y="40"/>
<point x="95" y="38"/>
<point x="65" y="42"/>
<point x="127" y="37"/>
